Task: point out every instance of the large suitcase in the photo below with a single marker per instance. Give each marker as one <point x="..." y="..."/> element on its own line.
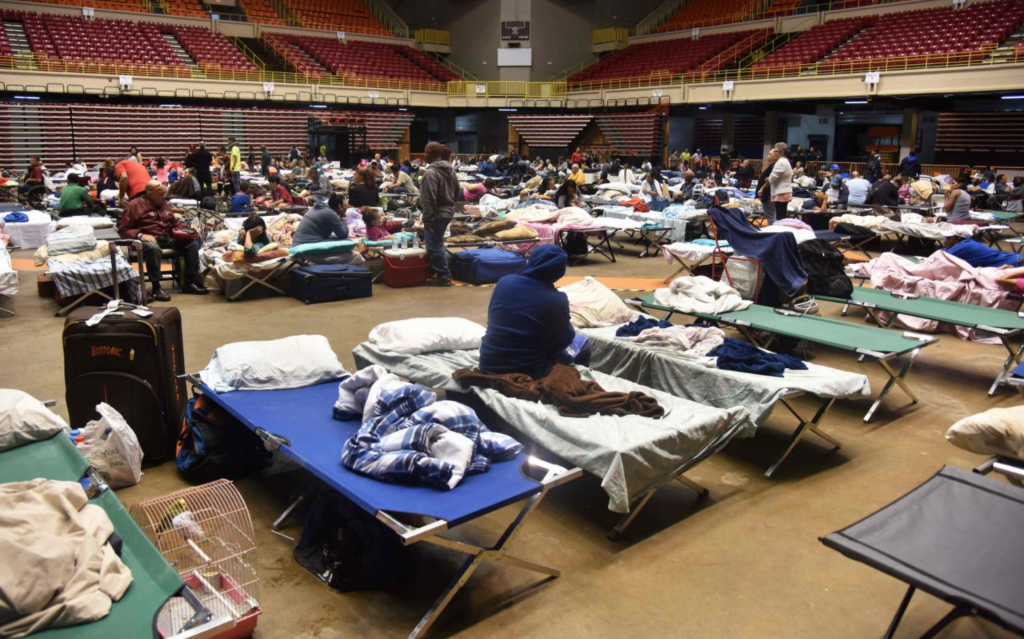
<point x="486" y="265"/>
<point x="317" y="283"/>
<point x="132" y="363"/>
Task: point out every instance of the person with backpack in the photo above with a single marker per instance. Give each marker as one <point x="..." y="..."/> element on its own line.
<point x="873" y="168"/>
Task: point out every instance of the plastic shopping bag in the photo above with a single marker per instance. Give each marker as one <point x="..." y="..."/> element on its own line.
<point x="112" y="448"/>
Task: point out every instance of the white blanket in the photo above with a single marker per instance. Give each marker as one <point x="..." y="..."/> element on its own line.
<point x="291" y="362"/>
<point x="31" y="234"/>
<point x="8" y="276"/>
<point x="591" y="304"/>
<point x="700" y="295"/>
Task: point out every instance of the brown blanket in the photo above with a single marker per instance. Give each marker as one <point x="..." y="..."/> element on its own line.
<point x="564" y="388"/>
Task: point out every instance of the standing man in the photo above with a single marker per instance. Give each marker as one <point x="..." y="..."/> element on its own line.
<point x="132" y="179"/>
<point x="873" y="167"/>
<point x="265" y="162"/>
<point x="201" y="161"/>
<point x="235" y="164"/>
<point x="438" y="195"/>
<point x="724" y="160"/>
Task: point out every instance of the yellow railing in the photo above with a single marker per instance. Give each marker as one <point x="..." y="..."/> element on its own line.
<point x="433" y="36"/>
<point x="565" y="73"/>
<point x="766" y="11"/>
<point x="249" y="53"/>
<point x="508" y="89"/>
<point x="456" y="69"/>
<point x="618" y="35"/>
<point x="980" y="57"/>
<point x="33" y="62"/>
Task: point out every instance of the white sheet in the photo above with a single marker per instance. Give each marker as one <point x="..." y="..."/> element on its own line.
<point x="31" y="234"/>
<point x="8" y="276"/>
<point x="631" y="455"/>
<point x="291" y="362"/>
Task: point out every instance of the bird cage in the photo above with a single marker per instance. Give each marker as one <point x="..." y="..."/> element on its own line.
<point x="206" y="535"/>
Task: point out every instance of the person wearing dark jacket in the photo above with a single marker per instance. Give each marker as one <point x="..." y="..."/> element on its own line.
<point x="528" y="327"/>
<point x="885" y="191"/>
<point x="910" y="166"/>
<point x="201" y="161"/>
<point x="439" y="193"/>
<point x="363" y="191"/>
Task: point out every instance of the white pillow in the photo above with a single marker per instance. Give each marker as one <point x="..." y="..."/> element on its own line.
<point x="290" y="362"/>
<point x="427" y="335"/>
<point x="594" y="305"/>
<point x="997" y="431"/>
<point x="24" y="419"/>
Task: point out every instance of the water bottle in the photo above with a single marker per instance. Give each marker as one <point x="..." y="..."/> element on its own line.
<point x="415" y="241"/>
<point x="73" y="434"/>
<point x="394" y="244"/>
<point x="405" y="242"/>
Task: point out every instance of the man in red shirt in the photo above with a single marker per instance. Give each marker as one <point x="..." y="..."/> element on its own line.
<point x="132" y="179"/>
<point x="150" y="219"/>
<point x="279" y="194"/>
<point x="33" y="177"/>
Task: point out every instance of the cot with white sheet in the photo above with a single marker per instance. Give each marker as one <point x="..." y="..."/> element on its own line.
<point x="154" y="581"/>
<point x="677" y="225"/>
<point x="652" y="236"/>
<point x="31" y="233"/>
<point x="633" y="456"/>
<point x="8" y="279"/>
<point x="1006" y="325"/>
<point x="955" y="537"/>
<point x="665" y="370"/>
<point x="298" y="422"/>
<point x="880" y="344"/>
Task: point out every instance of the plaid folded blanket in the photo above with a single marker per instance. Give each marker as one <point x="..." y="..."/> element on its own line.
<point x="75" y="238"/>
<point x="79" y="278"/>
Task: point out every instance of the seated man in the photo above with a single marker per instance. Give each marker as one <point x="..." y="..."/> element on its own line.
<point x="401" y="181"/>
<point x="33" y="177"/>
<point x="578" y="176"/>
<point x="325" y="221"/>
<point x="74" y="199"/>
<point x="187" y="187"/>
<point x="978" y="255"/>
<point x="241" y="202"/>
<point x="279" y="193"/>
<point x="528" y="327"/>
<point x="150" y="219"/>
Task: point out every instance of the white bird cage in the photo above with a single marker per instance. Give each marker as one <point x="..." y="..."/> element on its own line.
<point x="206" y="534"/>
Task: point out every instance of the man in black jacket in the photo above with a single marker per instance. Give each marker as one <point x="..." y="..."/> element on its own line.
<point x="201" y="161"/>
<point x="885" y="191"/>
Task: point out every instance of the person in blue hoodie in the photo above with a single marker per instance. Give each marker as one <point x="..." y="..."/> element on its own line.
<point x="978" y="255"/>
<point x="528" y="328"/>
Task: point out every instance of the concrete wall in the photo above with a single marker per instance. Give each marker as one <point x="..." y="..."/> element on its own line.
<point x="801" y="126"/>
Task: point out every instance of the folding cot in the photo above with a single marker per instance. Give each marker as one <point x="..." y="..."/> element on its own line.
<point x="651" y="235"/>
<point x="878" y="343"/>
<point x="298" y="422"/>
<point x="154" y="581"/>
<point x="602" y="247"/>
<point x="661" y="369"/>
<point x="633" y="456"/>
<point x="528" y="245"/>
<point x="8" y="279"/>
<point x="955" y="537"/>
<point x="1006" y="325"/>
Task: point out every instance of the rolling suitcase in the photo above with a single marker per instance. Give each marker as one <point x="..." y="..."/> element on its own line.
<point x="132" y="362"/>
<point x="486" y="265"/>
<point x="317" y="283"/>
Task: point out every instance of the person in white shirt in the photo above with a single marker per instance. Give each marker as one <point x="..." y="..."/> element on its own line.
<point x="858" y="188"/>
<point x="652" y="187"/>
<point x="780" y="181"/>
<point x="626" y="174"/>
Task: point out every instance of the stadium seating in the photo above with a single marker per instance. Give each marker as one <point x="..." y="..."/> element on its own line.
<point x="260" y="11"/>
<point x="5" y="43"/>
<point x="701" y="13"/>
<point x="357" y="59"/>
<point x="110" y="5"/>
<point x="914" y="37"/>
<point x="105" y="41"/>
<point x="549" y="130"/>
<point x="811" y="45"/>
<point x="187" y="8"/>
<point x="384" y="129"/>
<point x="638" y="134"/>
<point x="209" y="49"/>
<point x="669" y="58"/>
<point x="337" y="15"/>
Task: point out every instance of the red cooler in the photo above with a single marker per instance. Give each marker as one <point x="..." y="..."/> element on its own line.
<point x="406" y="267"/>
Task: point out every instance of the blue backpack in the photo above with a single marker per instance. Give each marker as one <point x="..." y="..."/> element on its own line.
<point x="214" y="445"/>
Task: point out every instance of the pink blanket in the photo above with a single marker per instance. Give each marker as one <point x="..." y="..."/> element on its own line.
<point x="940" y="276"/>
<point x="548" y="233"/>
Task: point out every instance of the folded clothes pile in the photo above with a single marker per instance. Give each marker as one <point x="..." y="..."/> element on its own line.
<point x="564" y="389"/>
<point x="742" y="356"/>
<point x="639" y="325"/>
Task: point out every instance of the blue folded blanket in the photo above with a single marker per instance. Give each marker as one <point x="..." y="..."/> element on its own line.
<point x="742" y="356"/>
<point x="640" y="325"/>
<point x="16" y="218"/>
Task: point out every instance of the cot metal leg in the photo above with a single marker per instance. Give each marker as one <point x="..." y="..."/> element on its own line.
<point x="951" y="616"/>
<point x="894" y="380"/>
<point x="479" y="554"/>
<point x="264" y="281"/>
<point x="72" y="306"/>
<point x="287" y="512"/>
<point x="615" y="533"/>
<point x="1014" y="358"/>
<point x="899" y="613"/>
<point x="7" y="311"/>
<point x="802" y="429"/>
<point x="692" y="485"/>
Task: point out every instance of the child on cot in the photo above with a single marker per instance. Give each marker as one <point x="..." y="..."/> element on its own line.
<point x="253" y="236"/>
<point x="374" y="221"/>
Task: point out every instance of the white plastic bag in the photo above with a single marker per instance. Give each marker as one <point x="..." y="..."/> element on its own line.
<point x="116" y="455"/>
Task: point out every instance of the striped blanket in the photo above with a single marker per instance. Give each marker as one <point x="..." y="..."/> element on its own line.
<point x="79" y="278"/>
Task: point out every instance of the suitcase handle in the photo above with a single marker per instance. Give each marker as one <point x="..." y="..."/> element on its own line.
<point x="137" y="245"/>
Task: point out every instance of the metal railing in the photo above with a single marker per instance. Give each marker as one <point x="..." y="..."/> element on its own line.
<point x="433" y="36"/>
<point x="249" y="53"/>
<point x="454" y="68"/>
<point x="32" y="62"/>
<point x="573" y="69"/>
<point x="617" y="35"/>
<point x="507" y="89"/>
<point x="934" y="61"/>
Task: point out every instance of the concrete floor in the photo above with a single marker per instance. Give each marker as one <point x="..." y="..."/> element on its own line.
<point x="744" y="562"/>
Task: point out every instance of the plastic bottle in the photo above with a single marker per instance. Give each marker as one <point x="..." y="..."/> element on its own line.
<point x="80" y="441"/>
<point x="405" y="241"/>
<point x="394" y="244"/>
<point x="415" y="241"/>
<point x="74" y="433"/>
<point x="107" y="431"/>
